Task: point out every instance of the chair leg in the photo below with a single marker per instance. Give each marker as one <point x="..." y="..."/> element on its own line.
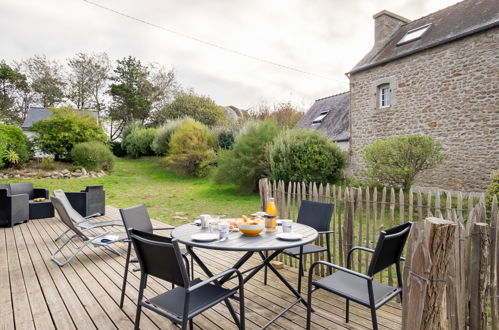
<point x="330" y="261"/>
<point x="125" y="275"/>
<point x="191" y="324"/>
<point x="347" y="311"/>
<point x="372" y="304"/>
<point x="143" y="282"/>
<point x="309" y="301"/>
<point x="374" y="319"/>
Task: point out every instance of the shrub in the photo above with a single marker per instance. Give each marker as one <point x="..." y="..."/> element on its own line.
<point x="493" y="188"/>
<point x="225" y="138"/>
<point x="58" y="134"/>
<point x="190" y="149"/>
<point x="117" y="149"/>
<point x="246" y="162"/>
<point x="136" y="124"/>
<point x="138" y="142"/>
<point x="15" y="147"/>
<point x="284" y="113"/>
<point x="200" y="108"/>
<point x="396" y="161"/>
<point x="47" y="164"/>
<point x="161" y="143"/>
<point x="93" y="156"/>
<point x="305" y="155"/>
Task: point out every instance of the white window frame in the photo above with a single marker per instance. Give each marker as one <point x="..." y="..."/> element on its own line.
<point x="320" y="117"/>
<point x="384" y="96"/>
<point x="414" y="34"/>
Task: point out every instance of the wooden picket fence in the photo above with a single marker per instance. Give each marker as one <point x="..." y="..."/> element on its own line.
<point x="361" y="213"/>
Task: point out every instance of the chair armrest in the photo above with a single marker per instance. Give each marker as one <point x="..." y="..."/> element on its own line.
<point x="163" y="228"/>
<point x="19" y="200"/>
<point x="215" y="277"/>
<point x="40" y="193"/>
<point x="343" y="269"/>
<point x="349" y="255"/>
<point x="326" y="232"/>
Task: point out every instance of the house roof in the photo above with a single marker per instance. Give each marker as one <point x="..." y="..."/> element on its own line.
<point x="457" y="21"/>
<point x="335" y="125"/>
<point x="35" y="114"/>
<point x="38" y="113"/>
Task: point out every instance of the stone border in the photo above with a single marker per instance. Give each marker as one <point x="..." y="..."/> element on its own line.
<point x="58" y="174"/>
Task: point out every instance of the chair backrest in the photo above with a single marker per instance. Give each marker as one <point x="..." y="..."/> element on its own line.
<point x="160" y="256"/>
<point x="136" y="217"/>
<point x="65" y="217"/>
<point x="389" y="248"/>
<point x="316" y="215"/>
<point x="96" y="198"/>
<point x="22" y="188"/>
<point x="72" y="213"/>
<point x="5" y="186"/>
<point x="94" y="188"/>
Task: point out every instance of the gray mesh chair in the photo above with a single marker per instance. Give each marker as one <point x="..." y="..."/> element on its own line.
<point x="137" y="217"/>
<point x="89" y="202"/>
<point x="161" y="257"/>
<point x="318" y="216"/>
<point x="104" y="239"/>
<point x="80" y="221"/>
<point x="359" y="287"/>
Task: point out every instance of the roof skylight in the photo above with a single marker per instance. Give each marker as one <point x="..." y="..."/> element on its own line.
<point x="413" y="34"/>
<point x="319" y="118"/>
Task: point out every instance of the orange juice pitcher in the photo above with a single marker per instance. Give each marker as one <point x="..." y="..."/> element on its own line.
<point x="271" y="211"/>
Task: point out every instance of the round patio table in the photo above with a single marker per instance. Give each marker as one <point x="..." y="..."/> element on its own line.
<point x="260" y="244"/>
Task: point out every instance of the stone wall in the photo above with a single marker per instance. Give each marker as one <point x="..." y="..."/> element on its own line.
<point x="451" y="93"/>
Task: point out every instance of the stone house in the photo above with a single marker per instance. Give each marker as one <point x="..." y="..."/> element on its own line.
<point x="437" y="76"/>
<point x="330" y="115"/>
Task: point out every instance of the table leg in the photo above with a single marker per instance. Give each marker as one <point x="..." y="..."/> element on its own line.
<point x="283" y="280"/>
<point x="210" y="274"/>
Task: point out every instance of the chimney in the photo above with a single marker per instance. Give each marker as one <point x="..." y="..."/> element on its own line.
<point x="385" y="24"/>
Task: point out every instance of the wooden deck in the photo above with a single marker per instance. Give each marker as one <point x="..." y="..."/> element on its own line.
<point x="36" y="293"/>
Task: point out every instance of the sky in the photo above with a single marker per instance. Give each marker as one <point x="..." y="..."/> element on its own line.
<point x="323" y="37"/>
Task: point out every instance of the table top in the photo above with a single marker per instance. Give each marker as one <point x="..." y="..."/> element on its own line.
<point x="238" y="242"/>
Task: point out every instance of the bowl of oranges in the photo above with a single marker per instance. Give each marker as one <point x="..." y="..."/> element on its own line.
<point x="252" y="226"/>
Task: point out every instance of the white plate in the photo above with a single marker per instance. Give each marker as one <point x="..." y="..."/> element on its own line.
<point x="205" y="237"/>
<point x="289" y="236"/>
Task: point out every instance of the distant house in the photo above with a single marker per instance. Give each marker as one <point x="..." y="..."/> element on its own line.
<point x="330" y="115"/>
<point x="437" y="76"/>
<point x="36" y="114"/>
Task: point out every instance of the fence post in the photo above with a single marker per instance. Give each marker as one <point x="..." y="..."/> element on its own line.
<point x="479" y="275"/>
<point x="428" y="275"/>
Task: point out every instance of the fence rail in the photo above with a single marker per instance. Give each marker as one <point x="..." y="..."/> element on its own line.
<point x="361" y="213"/>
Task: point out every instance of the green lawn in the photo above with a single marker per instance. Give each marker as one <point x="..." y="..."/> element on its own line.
<point x="165" y="193"/>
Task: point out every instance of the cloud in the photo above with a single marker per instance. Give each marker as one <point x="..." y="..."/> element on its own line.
<point x="327" y="37"/>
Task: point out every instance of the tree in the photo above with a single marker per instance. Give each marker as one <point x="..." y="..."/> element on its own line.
<point x="166" y="86"/>
<point x="12" y="83"/>
<point x="131" y="94"/>
<point x="46" y="79"/>
<point x="284" y="113"/>
<point x="200" y="108"/>
<point x="58" y="134"/>
<point x="397" y="160"/>
<point x="86" y="80"/>
<point x="246" y="162"/>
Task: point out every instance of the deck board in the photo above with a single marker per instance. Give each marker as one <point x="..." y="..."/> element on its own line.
<point x="84" y="294"/>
